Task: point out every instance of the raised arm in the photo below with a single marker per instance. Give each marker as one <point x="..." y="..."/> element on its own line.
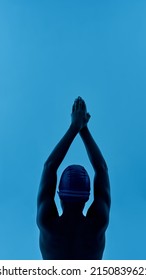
<point x="101" y="188"/>
<point x="46" y="205"/>
<point x="48" y="179"/>
<point x="99" y="209"/>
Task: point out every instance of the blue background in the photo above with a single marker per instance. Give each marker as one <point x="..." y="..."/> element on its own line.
<point x="51" y="52"/>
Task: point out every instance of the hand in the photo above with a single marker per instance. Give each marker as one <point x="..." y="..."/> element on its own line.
<point x="79" y="115"/>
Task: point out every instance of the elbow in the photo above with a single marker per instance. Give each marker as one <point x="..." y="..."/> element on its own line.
<point x="49" y="165"/>
<point x="102" y="166"/>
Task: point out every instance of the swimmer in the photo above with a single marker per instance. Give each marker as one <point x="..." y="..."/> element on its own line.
<point x="74" y="236"/>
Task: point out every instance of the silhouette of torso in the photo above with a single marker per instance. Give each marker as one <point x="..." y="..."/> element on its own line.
<point x="71" y="237"/>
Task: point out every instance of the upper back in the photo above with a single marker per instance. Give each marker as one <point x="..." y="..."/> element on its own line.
<point x="72" y="238"/>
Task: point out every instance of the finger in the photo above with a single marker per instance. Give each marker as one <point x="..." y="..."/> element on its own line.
<point x="73" y="107"/>
<point x="80" y="101"/>
<point x="83" y="105"/>
<point x="76" y="104"/>
<point x="80" y="98"/>
<point x="79" y="104"/>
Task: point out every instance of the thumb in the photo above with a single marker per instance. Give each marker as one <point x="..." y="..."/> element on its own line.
<point x="88" y="116"/>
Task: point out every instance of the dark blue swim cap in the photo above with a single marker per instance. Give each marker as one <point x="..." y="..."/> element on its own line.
<point x="74" y="184"/>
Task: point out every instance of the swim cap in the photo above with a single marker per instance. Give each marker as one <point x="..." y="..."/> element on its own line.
<point x="74" y="184"/>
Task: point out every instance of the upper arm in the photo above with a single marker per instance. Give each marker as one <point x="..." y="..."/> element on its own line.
<point x="46" y="213"/>
<point x="100" y="208"/>
<point x="46" y="207"/>
<point x="48" y="183"/>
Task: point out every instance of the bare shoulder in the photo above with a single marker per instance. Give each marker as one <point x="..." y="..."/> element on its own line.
<point x="47" y="213"/>
<point x="98" y="214"/>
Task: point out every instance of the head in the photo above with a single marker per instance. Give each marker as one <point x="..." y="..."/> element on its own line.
<point x="74" y="188"/>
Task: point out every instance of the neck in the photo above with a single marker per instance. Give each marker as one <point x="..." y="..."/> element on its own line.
<point x="72" y="212"/>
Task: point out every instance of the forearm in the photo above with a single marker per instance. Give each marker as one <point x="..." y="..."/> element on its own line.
<point x="95" y="156"/>
<point x="101" y="178"/>
<point x="59" y="152"/>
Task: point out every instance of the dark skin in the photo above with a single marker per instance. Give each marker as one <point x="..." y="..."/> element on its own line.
<point x="100" y="207"/>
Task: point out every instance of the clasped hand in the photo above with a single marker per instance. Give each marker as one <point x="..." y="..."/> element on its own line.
<point x="79" y="115"/>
